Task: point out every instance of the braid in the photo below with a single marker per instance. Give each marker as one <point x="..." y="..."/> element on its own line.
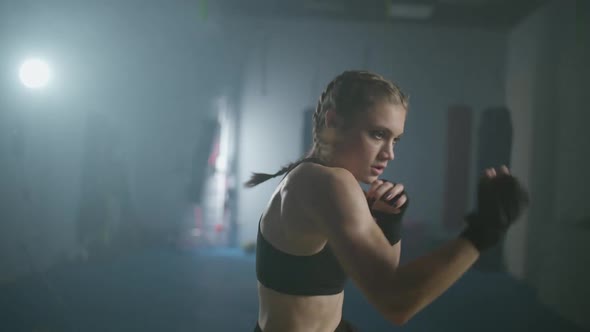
<point x="318" y="119"/>
<point x="258" y="178"/>
<point x="319" y="116"/>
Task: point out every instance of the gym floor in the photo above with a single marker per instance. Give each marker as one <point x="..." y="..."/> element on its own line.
<point x="161" y="289"/>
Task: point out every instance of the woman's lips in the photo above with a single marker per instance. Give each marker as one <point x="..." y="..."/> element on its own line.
<point x="376" y="170"/>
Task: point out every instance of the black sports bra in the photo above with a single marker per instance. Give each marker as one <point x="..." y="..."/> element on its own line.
<point x="317" y="274"/>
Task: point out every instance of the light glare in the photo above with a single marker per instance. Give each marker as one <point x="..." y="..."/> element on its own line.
<point x="34" y="73"/>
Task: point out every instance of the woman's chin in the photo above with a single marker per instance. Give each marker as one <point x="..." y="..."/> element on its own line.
<point x="368" y="179"/>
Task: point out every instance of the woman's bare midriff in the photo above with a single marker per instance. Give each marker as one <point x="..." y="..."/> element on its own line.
<point x="292" y="313"/>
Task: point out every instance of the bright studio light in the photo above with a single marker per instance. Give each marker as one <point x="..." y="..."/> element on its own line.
<point x="34" y="73"/>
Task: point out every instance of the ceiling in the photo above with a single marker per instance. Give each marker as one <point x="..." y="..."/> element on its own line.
<point x="463" y="13"/>
<point x="500" y="14"/>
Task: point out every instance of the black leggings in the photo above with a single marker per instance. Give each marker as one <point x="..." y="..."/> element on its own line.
<point x="344" y="326"/>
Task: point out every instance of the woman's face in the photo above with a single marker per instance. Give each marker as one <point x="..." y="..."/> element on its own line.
<point x="366" y="146"/>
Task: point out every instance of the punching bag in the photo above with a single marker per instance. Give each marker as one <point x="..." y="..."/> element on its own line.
<point x="495" y="139"/>
<point x="459" y="123"/>
<point x="493" y="150"/>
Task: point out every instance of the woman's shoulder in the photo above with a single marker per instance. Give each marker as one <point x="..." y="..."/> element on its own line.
<point x="310" y="175"/>
<point x="329" y="197"/>
<point x="313" y="185"/>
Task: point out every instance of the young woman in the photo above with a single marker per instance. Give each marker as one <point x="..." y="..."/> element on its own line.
<point x="320" y="227"/>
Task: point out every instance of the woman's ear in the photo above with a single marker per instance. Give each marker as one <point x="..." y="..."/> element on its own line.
<point x="333" y="120"/>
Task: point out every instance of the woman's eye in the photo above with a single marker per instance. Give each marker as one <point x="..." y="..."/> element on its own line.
<point x="378" y="134"/>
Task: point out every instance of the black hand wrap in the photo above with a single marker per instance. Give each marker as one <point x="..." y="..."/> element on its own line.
<point x="500" y="201"/>
<point x="390" y="223"/>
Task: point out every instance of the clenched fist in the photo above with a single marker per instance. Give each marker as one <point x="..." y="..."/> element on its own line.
<point x="501" y="199"/>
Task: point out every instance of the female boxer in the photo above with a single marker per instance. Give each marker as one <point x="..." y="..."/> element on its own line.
<point x="320" y="227"/>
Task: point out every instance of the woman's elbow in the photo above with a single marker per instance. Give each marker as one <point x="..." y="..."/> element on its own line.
<point x="399" y="318"/>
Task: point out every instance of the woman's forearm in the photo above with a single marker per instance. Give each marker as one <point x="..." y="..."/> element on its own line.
<point x="419" y="282"/>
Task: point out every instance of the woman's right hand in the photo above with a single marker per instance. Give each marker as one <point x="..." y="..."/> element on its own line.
<point x="388" y="203"/>
<point x="386" y="197"/>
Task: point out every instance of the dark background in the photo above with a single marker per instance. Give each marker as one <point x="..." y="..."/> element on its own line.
<point x="121" y="205"/>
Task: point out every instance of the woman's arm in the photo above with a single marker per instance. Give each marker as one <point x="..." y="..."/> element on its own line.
<point x="419" y="282"/>
<point x="336" y="203"/>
